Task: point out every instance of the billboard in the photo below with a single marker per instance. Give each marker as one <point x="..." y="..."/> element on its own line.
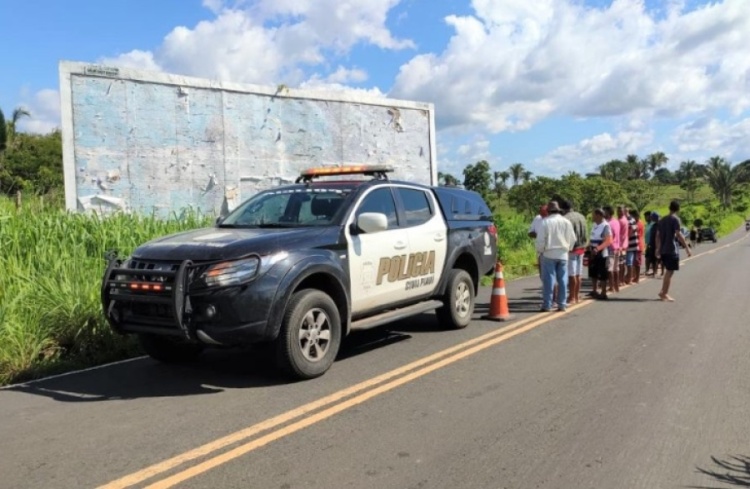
<point x="158" y="143"/>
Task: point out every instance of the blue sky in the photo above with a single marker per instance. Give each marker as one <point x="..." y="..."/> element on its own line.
<point x="557" y="85"/>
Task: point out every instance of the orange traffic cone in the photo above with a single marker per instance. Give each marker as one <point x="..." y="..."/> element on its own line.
<point x="499" y="301"/>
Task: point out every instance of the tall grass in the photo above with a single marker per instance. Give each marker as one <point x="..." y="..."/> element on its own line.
<point x="51" y="265"/>
<point x="515" y="248"/>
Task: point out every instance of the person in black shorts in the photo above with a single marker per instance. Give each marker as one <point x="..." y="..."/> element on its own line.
<point x="600" y="263"/>
<point x="668" y="234"/>
<point x="651" y="260"/>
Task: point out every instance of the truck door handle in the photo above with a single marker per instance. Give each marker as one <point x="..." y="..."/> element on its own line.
<point x="399" y="245"/>
<point x="439" y="237"/>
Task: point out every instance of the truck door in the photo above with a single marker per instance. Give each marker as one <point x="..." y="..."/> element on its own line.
<point x="428" y="240"/>
<point x="375" y="258"/>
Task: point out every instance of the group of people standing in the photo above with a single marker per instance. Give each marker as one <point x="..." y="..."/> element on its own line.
<point x="615" y="250"/>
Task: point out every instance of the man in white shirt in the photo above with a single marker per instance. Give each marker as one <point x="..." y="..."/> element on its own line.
<point x="534" y="231"/>
<point x="536" y="224"/>
<point x="553" y="243"/>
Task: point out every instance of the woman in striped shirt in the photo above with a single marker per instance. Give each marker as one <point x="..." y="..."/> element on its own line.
<point x="602" y="262"/>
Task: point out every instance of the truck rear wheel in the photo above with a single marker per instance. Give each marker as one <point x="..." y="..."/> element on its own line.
<point x="169" y="349"/>
<point x="458" y="301"/>
<point x="310" y="335"/>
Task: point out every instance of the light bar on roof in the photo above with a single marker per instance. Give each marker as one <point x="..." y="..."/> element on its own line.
<point x="345" y="170"/>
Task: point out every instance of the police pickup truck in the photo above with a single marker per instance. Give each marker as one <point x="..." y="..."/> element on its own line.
<point x="301" y="266"/>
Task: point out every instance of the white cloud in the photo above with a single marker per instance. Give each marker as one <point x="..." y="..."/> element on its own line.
<point x="514" y="63"/>
<point x="456" y="150"/>
<point x="233" y="47"/>
<point x="477" y="149"/>
<point x="586" y="155"/>
<point x="337" y="80"/>
<point x="321" y="84"/>
<point x="136" y="58"/>
<point x="345" y="75"/>
<point x="336" y="23"/>
<point x="214" y="6"/>
<point x="44" y="108"/>
<point x="708" y="137"/>
<point x="270" y="41"/>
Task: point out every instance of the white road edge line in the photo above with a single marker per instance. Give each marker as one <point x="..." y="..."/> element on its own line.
<point x="72" y="372"/>
<point x="127" y="360"/>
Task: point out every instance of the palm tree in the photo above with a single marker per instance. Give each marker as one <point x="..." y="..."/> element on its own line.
<point x="656" y="161"/>
<point x="635" y="169"/>
<point x="503" y="176"/>
<point x="10" y="126"/>
<point x="3" y="133"/>
<point x="643" y="170"/>
<point x="687" y="176"/>
<point x="607" y="171"/>
<point x="615" y="170"/>
<point x="447" y="179"/>
<point x="723" y="179"/>
<point x="526" y="176"/>
<point x="715" y="162"/>
<point x="516" y="172"/>
<point x="745" y="177"/>
<point x="498" y="186"/>
<point x="501" y="181"/>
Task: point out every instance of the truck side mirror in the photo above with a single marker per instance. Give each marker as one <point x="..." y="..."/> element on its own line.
<point x="372" y="222"/>
<point x="219" y="220"/>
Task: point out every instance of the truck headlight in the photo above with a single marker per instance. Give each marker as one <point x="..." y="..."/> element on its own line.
<point x="231" y="272"/>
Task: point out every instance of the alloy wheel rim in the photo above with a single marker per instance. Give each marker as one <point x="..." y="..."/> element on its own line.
<point x="315" y="335"/>
<point x="463" y="299"/>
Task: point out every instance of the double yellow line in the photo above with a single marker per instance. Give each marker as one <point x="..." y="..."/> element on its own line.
<point x="276" y="428"/>
<point x="270" y="430"/>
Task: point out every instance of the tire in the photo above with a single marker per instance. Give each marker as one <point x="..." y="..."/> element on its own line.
<point x="169" y="349"/>
<point x="458" y="301"/>
<point x="310" y="335"/>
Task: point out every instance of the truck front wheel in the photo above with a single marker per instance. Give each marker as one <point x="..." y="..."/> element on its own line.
<point x="169" y="349"/>
<point x="458" y="302"/>
<point x="310" y="335"/>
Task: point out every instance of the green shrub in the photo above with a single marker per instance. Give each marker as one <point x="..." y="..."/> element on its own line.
<point x="515" y="248"/>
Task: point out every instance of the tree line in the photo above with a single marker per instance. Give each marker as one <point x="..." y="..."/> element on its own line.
<point x="33" y="163"/>
<point x="633" y="180"/>
<point x="28" y="162"/>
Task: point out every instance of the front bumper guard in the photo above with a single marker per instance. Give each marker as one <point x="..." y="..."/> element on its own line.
<point x="127" y="285"/>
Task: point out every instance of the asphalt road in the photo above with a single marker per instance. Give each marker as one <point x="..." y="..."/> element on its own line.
<point x="628" y="393"/>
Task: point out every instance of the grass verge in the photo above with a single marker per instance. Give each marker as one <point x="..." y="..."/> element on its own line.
<point x="52" y="263"/>
<point x="50" y="309"/>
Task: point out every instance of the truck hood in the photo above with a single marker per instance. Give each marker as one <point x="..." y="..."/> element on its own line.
<point x="225" y="243"/>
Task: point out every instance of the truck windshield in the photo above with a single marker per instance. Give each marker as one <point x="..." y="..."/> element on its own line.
<point x="288" y="208"/>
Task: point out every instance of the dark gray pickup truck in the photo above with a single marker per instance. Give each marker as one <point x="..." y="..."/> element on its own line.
<point x="300" y="266"/>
